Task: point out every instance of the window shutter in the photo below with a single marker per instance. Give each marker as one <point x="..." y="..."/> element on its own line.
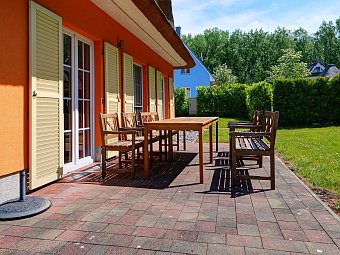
<point x="172" y="98"/>
<point x="111" y="79"/>
<point x="128" y="83"/>
<point x="46" y="91"/>
<point x="159" y="94"/>
<point x="152" y="89"/>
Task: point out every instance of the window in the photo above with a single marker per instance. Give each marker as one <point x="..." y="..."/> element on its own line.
<point x="138" y="84"/>
<point x="185" y="71"/>
<point x="188" y="91"/>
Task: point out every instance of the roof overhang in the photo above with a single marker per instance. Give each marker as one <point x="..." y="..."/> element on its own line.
<point x="146" y="21"/>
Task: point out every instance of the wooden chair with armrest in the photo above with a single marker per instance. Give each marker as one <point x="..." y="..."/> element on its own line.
<point x="114" y="139"/>
<point x="255" y="143"/>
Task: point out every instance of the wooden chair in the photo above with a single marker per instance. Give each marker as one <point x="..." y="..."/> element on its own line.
<point x="254" y="125"/>
<point x="259" y="143"/>
<point x="114" y="139"/>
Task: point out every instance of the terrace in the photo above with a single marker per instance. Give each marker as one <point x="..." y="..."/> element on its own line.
<point x="173" y="213"/>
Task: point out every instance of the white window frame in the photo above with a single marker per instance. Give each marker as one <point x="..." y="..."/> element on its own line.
<point x="76" y="162"/>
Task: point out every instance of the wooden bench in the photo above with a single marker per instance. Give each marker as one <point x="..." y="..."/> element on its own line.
<point x="255" y="143"/>
<point x="114" y="139"/>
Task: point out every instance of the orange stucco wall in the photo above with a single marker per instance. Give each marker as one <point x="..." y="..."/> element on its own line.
<point x="81" y="16"/>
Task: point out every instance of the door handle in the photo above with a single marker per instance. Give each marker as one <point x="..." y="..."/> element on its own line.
<point x="34" y="94"/>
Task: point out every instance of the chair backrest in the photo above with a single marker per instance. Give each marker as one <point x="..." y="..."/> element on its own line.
<point x="108" y="122"/>
<point x="257" y="117"/>
<point x="148" y="117"/>
<point x="129" y="119"/>
<point x="270" y="124"/>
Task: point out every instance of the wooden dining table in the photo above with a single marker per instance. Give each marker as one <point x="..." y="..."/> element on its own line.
<point x="182" y="123"/>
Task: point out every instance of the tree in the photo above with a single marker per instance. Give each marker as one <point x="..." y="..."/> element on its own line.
<point x="181" y="102"/>
<point x="224" y="75"/>
<point x="289" y="66"/>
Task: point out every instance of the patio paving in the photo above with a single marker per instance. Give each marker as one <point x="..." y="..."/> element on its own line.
<point x="173" y="213"/>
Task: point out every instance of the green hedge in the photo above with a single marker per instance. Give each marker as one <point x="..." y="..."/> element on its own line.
<point x="181" y="103"/>
<point x="222" y="101"/>
<point x="307" y="101"/>
<point x="259" y="97"/>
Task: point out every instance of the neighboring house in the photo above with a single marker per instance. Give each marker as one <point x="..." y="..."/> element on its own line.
<point x="191" y="78"/>
<point x="317" y="69"/>
<point x="63" y="63"/>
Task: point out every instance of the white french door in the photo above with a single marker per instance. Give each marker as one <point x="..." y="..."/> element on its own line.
<point x="78" y="101"/>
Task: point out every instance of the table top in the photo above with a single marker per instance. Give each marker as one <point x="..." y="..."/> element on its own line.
<point x="181" y="123"/>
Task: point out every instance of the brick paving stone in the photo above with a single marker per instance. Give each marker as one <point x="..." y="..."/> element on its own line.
<point x="270" y="229"/>
<point x="194" y="209"/>
<point x="189" y="247"/>
<point x="317" y="236"/>
<point x="3" y="228"/>
<point x="8" y="241"/>
<point x="294" y="235"/>
<point x="171" y="213"/>
<point x="49" y="246"/>
<point x="249" y="219"/>
<point x="206" y="237"/>
<point x="97" y="238"/>
<point x="93" y="226"/>
<point x="140" y="206"/>
<point x="75" y="249"/>
<point x="156" y="244"/>
<point x="289" y="225"/>
<point x="244" y="208"/>
<point x="16" y="231"/>
<point x="308" y="224"/>
<point x="121" y="240"/>
<point x="145" y="252"/>
<point x="226" y="230"/>
<point x="165" y="223"/>
<point x="184" y="225"/>
<point x="255" y="251"/>
<point x="321" y="248"/>
<point x="43" y="233"/>
<point x="248" y="230"/>
<point x="26" y="244"/>
<point x="47" y="223"/>
<point x="248" y="241"/>
<point x="225" y="222"/>
<point x="207" y="215"/>
<point x="72" y="235"/>
<point x="121" y="251"/>
<point x="146" y="221"/>
<point x="219" y="249"/>
<point x="98" y="250"/>
<point x="205" y="226"/>
<point x="70" y="225"/>
<point x="284" y="245"/>
<point x="185" y="235"/>
<point x="149" y="232"/>
<point x="188" y="216"/>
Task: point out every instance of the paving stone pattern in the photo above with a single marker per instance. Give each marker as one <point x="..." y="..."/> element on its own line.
<point x="181" y="216"/>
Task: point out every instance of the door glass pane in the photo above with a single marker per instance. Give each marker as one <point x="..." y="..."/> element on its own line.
<point x="87" y="113"/>
<point x="80" y="54"/>
<point x="81" y="144"/>
<point x="81" y="113"/>
<point x="87" y="57"/>
<point x="67" y="114"/>
<point x="137" y="73"/>
<point x="86" y="85"/>
<point x="80" y="84"/>
<point x="67" y="49"/>
<point x="67" y="147"/>
<point x="87" y="143"/>
<point x="67" y="79"/>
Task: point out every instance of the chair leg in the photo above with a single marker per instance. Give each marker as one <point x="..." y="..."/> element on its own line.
<point x="133" y="164"/>
<point x="151" y="155"/>
<point x="272" y="171"/>
<point x="103" y="162"/>
<point x="184" y="141"/>
<point x="126" y="156"/>
<point x="166" y="146"/>
<point x="233" y="167"/>
<point x="177" y="141"/>
<point x="120" y="160"/>
<point x="260" y="161"/>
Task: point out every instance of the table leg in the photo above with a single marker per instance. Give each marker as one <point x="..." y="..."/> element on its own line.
<point x="200" y="144"/>
<point x="146" y="154"/>
<point x="216" y="136"/>
<point x="211" y="143"/>
<point x="171" y="149"/>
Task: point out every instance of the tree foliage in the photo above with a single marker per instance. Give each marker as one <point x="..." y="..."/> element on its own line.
<point x="181" y="103"/>
<point x="250" y="55"/>
<point x="289" y="66"/>
<point x="224" y="75"/>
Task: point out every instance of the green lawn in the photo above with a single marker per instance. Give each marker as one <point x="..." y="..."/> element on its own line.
<point x="314" y="153"/>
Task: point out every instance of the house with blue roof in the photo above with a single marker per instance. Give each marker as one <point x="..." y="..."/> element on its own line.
<point x="191" y="78"/>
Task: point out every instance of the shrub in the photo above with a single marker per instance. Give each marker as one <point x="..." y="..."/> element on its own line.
<point x="259" y="97"/>
<point x="181" y="103"/>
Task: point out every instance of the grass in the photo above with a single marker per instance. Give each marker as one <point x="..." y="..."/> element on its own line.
<point x="313" y="153"/>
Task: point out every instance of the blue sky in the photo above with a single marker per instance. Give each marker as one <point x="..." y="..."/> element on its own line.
<point x="194" y="16"/>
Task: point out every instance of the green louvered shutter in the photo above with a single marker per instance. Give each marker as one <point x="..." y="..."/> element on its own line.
<point x="172" y="98"/>
<point x="128" y="83"/>
<point x="159" y="94"/>
<point x="152" y="89"/>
